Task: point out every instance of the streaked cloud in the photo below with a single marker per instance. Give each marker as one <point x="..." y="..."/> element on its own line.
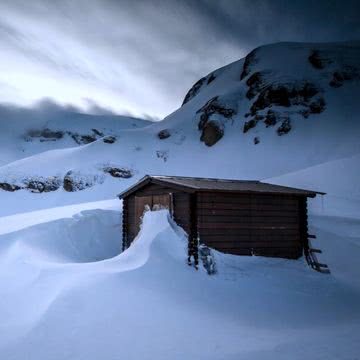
<point x="140" y="57"/>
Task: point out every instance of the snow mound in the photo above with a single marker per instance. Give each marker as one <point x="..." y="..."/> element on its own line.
<point x="91" y="235"/>
<point x="52" y="302"/>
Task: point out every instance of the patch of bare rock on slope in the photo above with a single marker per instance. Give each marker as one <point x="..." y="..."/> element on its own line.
<point x="274" y="96"/>
<point x="73" y="180"/>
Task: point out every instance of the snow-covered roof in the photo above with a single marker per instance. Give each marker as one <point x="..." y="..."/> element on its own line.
<point x="195" y="184"/>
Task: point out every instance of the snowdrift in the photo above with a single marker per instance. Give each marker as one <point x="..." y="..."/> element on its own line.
<point x="55" y="294"/>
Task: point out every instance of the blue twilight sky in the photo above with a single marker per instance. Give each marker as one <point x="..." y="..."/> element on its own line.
<point x="140" y="57"/>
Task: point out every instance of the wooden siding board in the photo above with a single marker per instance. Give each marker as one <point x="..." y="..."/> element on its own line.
<point x="264" y="224"/>
<point x="182" y="210"/>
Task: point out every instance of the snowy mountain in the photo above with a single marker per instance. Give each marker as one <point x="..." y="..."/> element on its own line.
<point x="284" y="108"/>
<point x="287" y="113"/>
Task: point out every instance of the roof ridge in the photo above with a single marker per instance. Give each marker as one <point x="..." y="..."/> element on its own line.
<point x="200" y="178"/>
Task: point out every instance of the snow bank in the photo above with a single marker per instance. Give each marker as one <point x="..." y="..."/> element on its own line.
<point x="20" y="221"/>
<point x="340" y="179"/>
<point x="147" y="303"/>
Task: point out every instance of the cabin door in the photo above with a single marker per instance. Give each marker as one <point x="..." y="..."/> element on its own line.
<point x="151" y="202"/>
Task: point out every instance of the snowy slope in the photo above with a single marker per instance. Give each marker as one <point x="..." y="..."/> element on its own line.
<point x="338" y="178"/>
<point x="21" y="129"/>
<point x="63" y="297"/>
<point x="298" y="102"/>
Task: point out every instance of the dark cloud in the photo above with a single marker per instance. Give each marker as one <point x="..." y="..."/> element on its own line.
<point x="142" y="56"/>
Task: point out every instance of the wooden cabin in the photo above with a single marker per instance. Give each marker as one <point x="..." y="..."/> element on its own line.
<point x="232" y="216"/>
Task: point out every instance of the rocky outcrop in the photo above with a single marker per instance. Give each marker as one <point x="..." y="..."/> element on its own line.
<point x="9" y="187"/>
<point x="255" y="83"/>
<point x="318" y="60"/>
<point x="212" y="132"/>
<point x="271" y="118"/>
<point x="118" y="172"/>
<point x="347" y="73"/>
<point x="35" y="184"/>
<point x="82" y="139"/>
<point x="109" y="139"/>
<point x="250" y="60"/>
<point x="197" y="86"/>
<point x="213" y="129"/>
<point x="47" y="134"/>
<point x="249" y="125"/>
<point x="163" y="134"/>
<point x="285" y="95"/>
<point x="40" y="185"/>
<point x="284" y="128"/>
<point x="44" y="135"/>
<point x="76" y="181"/>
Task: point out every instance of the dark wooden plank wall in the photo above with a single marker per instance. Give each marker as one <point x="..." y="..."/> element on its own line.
<point x="131" y="223"/>
<point x="244" y="224"/>
<point x="181" y="204"/>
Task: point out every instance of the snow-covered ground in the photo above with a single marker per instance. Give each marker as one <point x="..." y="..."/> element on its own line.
<point x="67" y="291"/>
<point x="66" y="294"/>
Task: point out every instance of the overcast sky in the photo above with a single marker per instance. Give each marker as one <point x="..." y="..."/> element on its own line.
<point x="141" y="56"/>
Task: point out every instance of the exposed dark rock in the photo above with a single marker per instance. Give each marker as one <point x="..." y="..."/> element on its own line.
<point x="317" y="106"/>
<point x="207" y="259"/>
<point x="109" y="139"/>
<point x="212" y="132"/>
<point x="256" y="140"/>
<point x="340" y="76"/>
<point x="163" y="134"/>
<point x="9" y="187"/>
<point x="97" y="132"/>
<point x="75" y="181"/>
<point x="194" y="90"/>
<point x="318" y="60"/>
<point x="123" y="173"/>
<point x="49" y="134"/>
<point x="250" y="59"/>
<point x="206" y="80"/>
<point x="249" y="125"/>
<point x="39" y="185"/>
<point x="34" y="184"/>
<point x="284" y="128"/>
<point x="68" y="182"/>
<point x="284" y="95"/>
<point x="213" y="106"/>
<point x="255" y="84"/>
<point x="271" y="118"/>
<point x="211" y="78"/>
<point x="45" y="134"/>
<point x="273" y="95"/>
<point x="82" y="139"/>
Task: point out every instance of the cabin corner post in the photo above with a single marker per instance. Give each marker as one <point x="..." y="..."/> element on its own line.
<point x="124" y="224"/>
<point x="304" y="226"/>
<point x="193" y="251"/>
